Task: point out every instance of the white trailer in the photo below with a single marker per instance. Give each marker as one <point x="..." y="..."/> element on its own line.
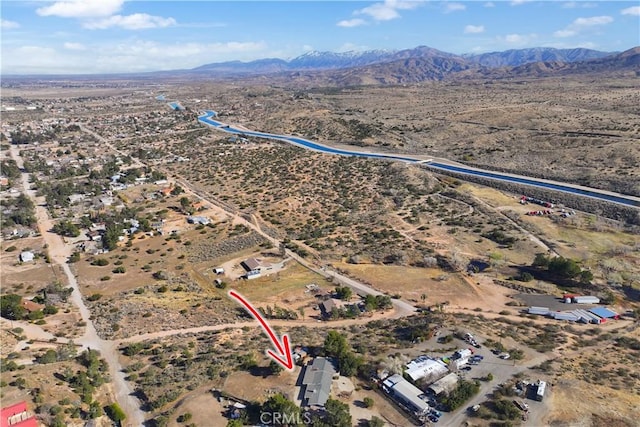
<point x="542" y="385"/>
<point x="586" y="299"/>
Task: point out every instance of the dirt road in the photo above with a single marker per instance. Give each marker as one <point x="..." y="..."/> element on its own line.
<point x="59" y="253"/>
<point x="402" y="308"/>
<point x="279" y="323"/>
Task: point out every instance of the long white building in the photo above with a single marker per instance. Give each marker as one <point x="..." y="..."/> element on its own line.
<point x="406" y="394"/>
<point x="426" y="367"/>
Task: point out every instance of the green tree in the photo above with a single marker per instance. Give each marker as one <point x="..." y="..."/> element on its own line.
<point x="11" y="307"/>
<point x="111" y="236"/>
<point x="336" y="414"/>
<point x="541" y="260"/>
<point x="368" y="402"/>
<point x="525" y="276"/>
<point x="586" y="277"/>
<point x="50" y="356"/>
<point x="66" y="228"/>
<point x="75" y="257"/>
<point x="349" y="363"/>
<point x="95" y="410"/>
<point x="186" y="417"/>
<point x="344" y="292"/>
<point x="335" y="344"/>
<point x="563" y="267"/>
<point x="279" y="404"/>
<point x="275" y="367"/>
<point x="185" y="203"/>
<point x="375" y="422"/>
<point x="115" y="412"/>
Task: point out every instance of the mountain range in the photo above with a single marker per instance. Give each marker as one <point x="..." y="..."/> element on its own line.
<point x="315" y="60"/>
<point x="425" y="63"/>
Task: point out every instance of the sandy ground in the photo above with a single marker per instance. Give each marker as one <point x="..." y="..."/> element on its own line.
<point x="573" y="403"/>
<point x="205" y="409"/>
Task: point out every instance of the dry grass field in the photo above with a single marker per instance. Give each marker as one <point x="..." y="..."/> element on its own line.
<point x="30" y="276"/>
<point x="285" y="288"/>
<point x="577" y="403"/>
<point x="412" y="283"/>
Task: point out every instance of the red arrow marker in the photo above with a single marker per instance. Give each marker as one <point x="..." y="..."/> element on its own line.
<point x="284" y="357"/>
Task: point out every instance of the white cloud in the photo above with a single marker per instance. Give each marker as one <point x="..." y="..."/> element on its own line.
<point x="388" y="9"/>
<point x="514" y="38"/>
<point x="519" y="2"/>
<point x="74" y="46"/>
<point x="474" y="29"/>
<point x="186" y="49"/>
<point x="518" y="39"/>
<point x="565" y="33"/>
<point x="453" y="7"/>
<point x="582" y="24"/>
<point x="137" y="21"/>
<point x="130" y="56"/>
<point x="489" y="4"/>
<point x="30" y="60"/>
<point x="8" y="25"/>
<point x="578" y="4"/>
<point x="349" y="23"/>
<point x="633" y="10"/>
<point x="81" y="8"/>
<point x="594" y="20"/>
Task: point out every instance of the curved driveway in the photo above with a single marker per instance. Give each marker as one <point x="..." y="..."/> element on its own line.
<point x="441" y="164"/>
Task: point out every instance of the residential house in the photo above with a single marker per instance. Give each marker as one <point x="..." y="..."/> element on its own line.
<point x="75" y="198"/>
<point x="251" y="264"/>
<point x="106" y="201"/>
<point x="198" y="220"/>
<point x="31" y="306"/>
<point x="27" y="256"/>
<point x="316" y="382"/>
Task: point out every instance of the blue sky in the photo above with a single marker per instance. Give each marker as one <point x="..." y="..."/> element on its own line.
<point x="102" y="36"/>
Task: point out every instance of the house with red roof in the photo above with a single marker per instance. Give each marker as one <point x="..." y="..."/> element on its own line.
<point x="17" y="416"/>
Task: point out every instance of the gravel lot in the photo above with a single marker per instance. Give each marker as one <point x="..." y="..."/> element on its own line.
<point x="551" y="302"/>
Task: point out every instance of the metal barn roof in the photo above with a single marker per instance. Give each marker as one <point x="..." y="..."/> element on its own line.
<point x="603" y="312"/>
<point x="407" y="392"/>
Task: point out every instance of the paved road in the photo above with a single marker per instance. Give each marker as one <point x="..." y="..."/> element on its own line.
<point x="432" y="163"/>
